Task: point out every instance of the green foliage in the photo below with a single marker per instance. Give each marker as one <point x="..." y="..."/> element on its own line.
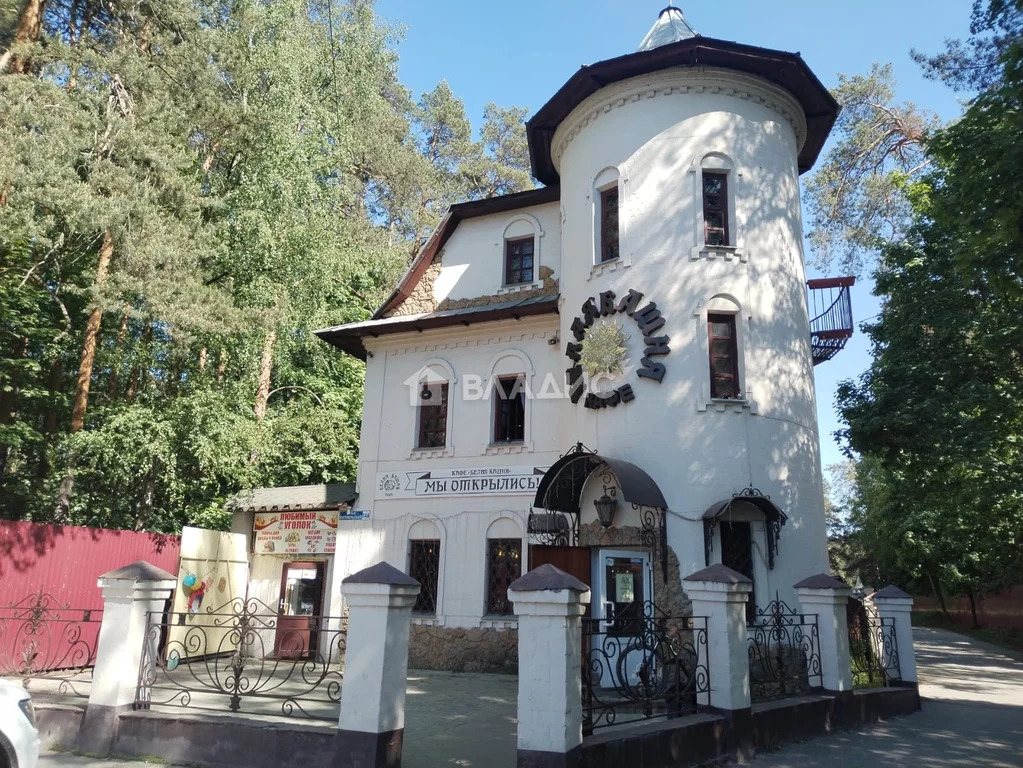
<point x="261" y="173"/>
<point x="856" y="197"/>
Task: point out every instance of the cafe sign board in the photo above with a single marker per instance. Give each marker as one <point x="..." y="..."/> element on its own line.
<point x="462" y="481"/>
<point x="294" y="533"/>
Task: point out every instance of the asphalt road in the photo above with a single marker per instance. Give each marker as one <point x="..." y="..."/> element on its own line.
<point x="972" y="715"/>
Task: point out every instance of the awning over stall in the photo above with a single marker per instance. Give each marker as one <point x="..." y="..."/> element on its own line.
<point x="774" y="519"/>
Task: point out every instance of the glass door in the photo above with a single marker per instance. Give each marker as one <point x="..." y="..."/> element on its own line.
<point x="299" y="609"/>
<point x="625" y="586"/>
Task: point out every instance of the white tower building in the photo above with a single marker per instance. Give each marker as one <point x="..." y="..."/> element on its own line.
<point x="638" y="329"/>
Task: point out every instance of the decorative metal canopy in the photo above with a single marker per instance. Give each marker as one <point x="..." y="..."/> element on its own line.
<point x="773" y="517"/>
<point x="561" y="489"/>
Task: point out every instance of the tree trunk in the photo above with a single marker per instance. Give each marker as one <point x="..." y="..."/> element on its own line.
<point x="265" y="368"/>
<point x="30" y="28"/>
<point x="221" y="366"/>
<point x="936" y="588"/>
<point x="203" y="354"/>
<point x="81" y="400"/>
<point x="115" y="368"/>
<point x="8" y="400"/>
<point x="973" y="607"/>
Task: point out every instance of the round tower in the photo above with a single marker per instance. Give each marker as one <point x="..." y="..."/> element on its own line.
<point x="683" y="320"/>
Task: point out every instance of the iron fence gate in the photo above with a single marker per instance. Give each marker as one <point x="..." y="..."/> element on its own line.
<point x="784" y="652"/>
<point x="49" y="643"/>
<point x="873" y="648"/>
<point x="642" y="666"/>
<point x="241" y="657"/>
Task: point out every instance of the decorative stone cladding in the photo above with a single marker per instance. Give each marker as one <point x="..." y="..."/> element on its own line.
<point x="668" y="596"/>
<point x="464" y="650"/>
<point x="421" y="300"/>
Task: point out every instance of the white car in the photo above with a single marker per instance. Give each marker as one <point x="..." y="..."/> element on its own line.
<point x="19" y="739"/>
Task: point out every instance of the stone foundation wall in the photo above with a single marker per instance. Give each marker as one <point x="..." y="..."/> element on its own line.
<point x="464" y="650"/>
<point x="668" y="595"/>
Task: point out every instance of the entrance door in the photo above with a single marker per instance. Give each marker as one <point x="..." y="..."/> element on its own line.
<point x="624" y="587"/>
<point x="737" y="554"/>
<point x="572" y="560"/>
<point x="300" y="606"/>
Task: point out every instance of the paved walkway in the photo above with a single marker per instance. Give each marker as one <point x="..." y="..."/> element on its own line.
<point x="972" y="715"/>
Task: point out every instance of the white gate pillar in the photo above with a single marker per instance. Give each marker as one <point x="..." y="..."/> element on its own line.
<point x="827" y="598"/>
<point x="892" y="603"/>
<point x="550" y="604"/>
<point x="720" y="594"/>
<point x="371" y="725"/>
<point x="129" y="595"/>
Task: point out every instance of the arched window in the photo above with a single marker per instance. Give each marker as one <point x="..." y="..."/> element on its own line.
<point x="717" y="195"/>
<point x="430" y="394"/>
<point x="606" y="198"/>
<point x="521" y="250"/>
<point x="717" y="229"/>
<point x="720" y="323"/>
<point x="504" y="564"/>
<point x="510" y="393"/>
<point x="424" y="564"/>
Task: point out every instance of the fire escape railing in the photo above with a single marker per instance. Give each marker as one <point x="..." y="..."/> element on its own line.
<point x="831" y="320"/>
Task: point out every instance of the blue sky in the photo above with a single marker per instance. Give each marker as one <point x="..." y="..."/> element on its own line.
<point x="520" y="53"/>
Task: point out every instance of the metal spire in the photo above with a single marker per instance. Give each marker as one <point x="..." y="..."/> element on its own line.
<point x="670" y="27"/>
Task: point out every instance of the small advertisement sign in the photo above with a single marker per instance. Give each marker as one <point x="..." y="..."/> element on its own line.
<point x="295" y="533"/>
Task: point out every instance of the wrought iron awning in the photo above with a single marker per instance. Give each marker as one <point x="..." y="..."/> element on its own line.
<point x="774" y="517"/>
<point x="561" y="489"/>
<point x="562" y="484"/>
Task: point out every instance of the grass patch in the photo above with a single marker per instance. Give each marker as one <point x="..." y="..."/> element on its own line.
<point x="1010" y="638"/>
<point x="150" y="759"/>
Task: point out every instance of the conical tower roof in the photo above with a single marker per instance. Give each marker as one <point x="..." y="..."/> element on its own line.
<point x="670" y="27"/>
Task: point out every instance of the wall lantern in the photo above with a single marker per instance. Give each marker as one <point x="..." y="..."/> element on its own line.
<point x="425" y="393"/>
<point x="606" y="506"/>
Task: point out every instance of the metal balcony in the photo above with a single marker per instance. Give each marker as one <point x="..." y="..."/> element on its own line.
<point x="831" y="320"/>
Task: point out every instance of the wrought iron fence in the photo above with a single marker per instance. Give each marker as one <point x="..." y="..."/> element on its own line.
<point x="244" y="657"/>
<point x="873" y="649"/>
<point x="784" y="652"/>
<point x="49" y="643"/>
<point x="641" y="666"/>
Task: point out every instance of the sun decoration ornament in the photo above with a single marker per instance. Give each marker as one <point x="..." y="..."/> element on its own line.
<point x="604" y="349"/>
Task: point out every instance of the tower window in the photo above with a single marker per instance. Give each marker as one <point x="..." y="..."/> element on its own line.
<point x="518" y="261"/>
<point x="715" y="208"/>
<point x="724" y="357"/>
<point x="609" y="224"/>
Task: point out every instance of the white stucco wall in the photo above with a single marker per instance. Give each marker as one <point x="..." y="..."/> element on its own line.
<point x="472" y="260"/>
<point x="656" y="131"/>
<point x="654" y="134"/>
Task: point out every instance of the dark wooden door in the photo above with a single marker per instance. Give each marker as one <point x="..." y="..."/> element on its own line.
<point x="299" y="610"/>
<point x="572" y="560"/>
<point x="737" y="554"/>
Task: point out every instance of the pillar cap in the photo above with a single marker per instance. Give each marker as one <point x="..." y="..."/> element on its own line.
<point x="547" y="578"/>
<point x="821" y="581"/>
<point x="139" y="571"/>
<point x="381" y="573"/>
<point x="890" y="592"/>
<point x="719" y="574"/>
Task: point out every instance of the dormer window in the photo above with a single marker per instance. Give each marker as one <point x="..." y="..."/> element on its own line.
<point x="518" y="261"/>
<point x="715" y="208"/>
<point x="609" y="224"/>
